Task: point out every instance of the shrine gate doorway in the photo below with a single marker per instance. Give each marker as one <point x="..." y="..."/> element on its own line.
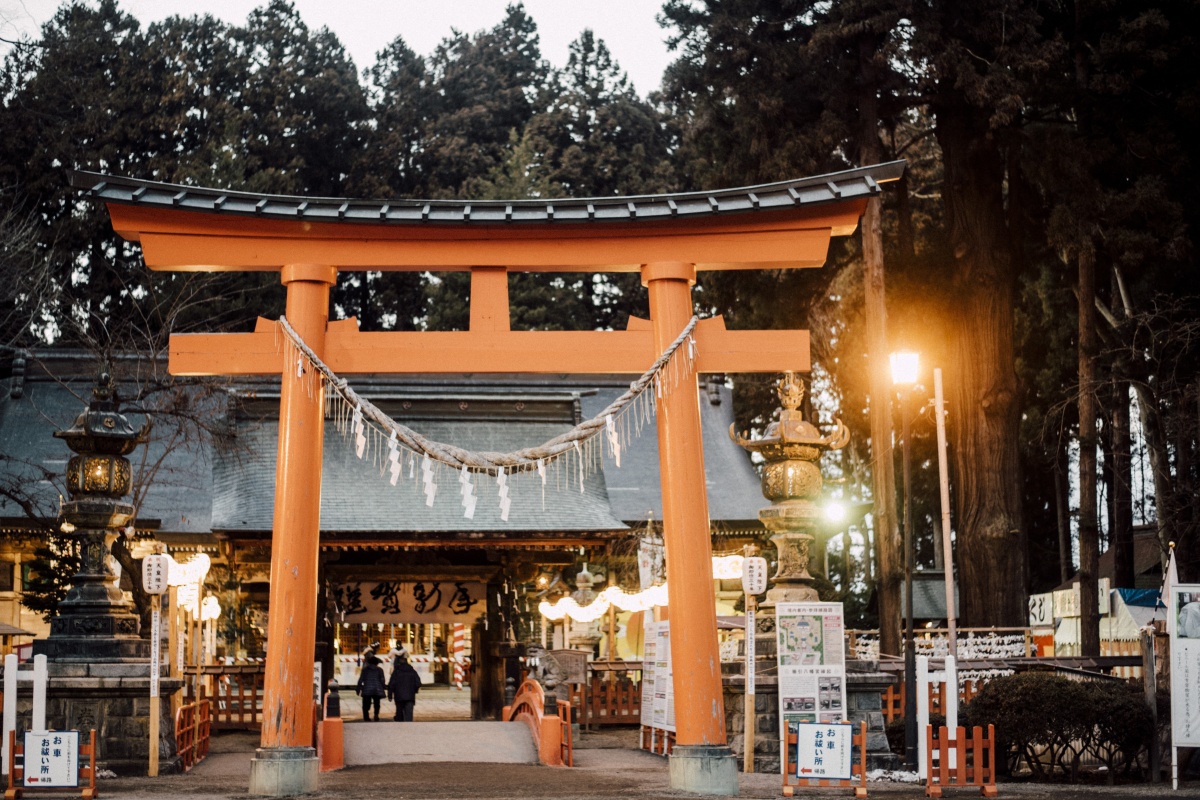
<point x="666" y="238"/>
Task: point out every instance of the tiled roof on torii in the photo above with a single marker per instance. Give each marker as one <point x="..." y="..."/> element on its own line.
<point x="777" y="225"/>
<point x="845" y="185"/>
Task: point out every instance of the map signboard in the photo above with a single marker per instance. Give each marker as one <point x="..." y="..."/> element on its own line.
<point x="812" y="664"/>
<point x="658" y="690"/>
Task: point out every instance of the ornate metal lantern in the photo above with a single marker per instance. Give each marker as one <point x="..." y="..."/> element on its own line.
<point x="94" y="621"/>
<point x="791" y="480"/>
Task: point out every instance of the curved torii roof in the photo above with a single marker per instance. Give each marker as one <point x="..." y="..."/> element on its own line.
<point x="784" y="224"/>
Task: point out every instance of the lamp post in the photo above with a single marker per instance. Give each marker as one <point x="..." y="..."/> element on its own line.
<point x="904" y="376"/>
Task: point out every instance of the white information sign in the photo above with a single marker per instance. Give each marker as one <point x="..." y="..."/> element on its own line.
<point x="660" y="711"/>
<point x="750" y="651"/>
<point x="812" y="663"/>
<point x="155" y="648"/>
<point x="52" y="759"/>
<point x="754" y="575"/>
<point x="154" y="573"/>
<point x="1185" y="665"/>
<point x="823" y="751"/>
<point x="1041" y="610"/>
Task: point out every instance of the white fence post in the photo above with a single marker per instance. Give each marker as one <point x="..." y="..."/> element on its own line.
<point x="922" y="689"/>
<point x="39" y="676"/>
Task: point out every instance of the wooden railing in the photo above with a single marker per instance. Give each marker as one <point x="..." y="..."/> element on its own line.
<point x="612" y="699"/>
<point x="960" y="761"/>
<point x="894" y="696"/>
<point x="551" y="736"/>
<point x="236" y="692"/>
<point x="192" y="728"/>
<point x="567" y="752"/>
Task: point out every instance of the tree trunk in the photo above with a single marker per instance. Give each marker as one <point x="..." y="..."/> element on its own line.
<point x="1121" y="524"/>
<point x="992" y="557"/>
<point x="1062" y="491"/>
<point x="1089" y="545"/>
<point x="887" y="528"/>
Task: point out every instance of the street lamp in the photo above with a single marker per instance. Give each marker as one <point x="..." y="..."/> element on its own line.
<point x="904" y="376"/>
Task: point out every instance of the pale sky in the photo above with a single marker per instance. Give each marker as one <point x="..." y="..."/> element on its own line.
<point x="364" y="27"/>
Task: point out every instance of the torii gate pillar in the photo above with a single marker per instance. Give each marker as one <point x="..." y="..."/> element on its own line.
<point x="286" y="762"/>
<point x="781" y="225"/>
<point x="701" y="762"/>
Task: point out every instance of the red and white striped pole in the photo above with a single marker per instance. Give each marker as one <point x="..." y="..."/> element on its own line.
<point x="459" y="646"/>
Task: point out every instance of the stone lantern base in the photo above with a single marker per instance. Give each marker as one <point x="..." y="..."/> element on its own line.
<point x="114" y="700"/>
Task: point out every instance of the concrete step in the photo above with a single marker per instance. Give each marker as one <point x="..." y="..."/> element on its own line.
<point x="429" y="742"/>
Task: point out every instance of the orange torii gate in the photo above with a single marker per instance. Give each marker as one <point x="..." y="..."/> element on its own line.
<point x="666" y="238"/>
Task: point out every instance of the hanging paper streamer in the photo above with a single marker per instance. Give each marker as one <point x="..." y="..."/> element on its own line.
<point x="468" y="493"/>
<point x="579" y="452"/>
<point x="352" y="413"/>
<point x="394" y="458"/>
<point x="427" y="478"/>
<point x="502" y="490"/>
<point x="360" y="438"/>
<point x="541" y="471"/>
<point x="614" y="444"/>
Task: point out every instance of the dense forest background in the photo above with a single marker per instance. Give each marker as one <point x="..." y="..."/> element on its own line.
<point x="1040" y="248"/>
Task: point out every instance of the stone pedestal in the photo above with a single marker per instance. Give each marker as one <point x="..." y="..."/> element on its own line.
<point x="284" y="771"/>
<point x="864" y="687"/>
<point x="704" y="769"/>
<point x="113" y="699"/>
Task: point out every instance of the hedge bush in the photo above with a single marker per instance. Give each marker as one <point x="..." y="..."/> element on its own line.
<point x="1048" y="723"/>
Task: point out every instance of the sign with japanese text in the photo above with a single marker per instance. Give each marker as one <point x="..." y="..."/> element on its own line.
<point x="154" y="573"/>
<point x="658" y="682"/>
<point x="1184" y="603"/>
<point x="1041" y="610"/>
<point x="812" y="664"/>
<point x="52" y="759"/>
<point x="754" y="575"/>
<point x="421" y="602"/>
<point x="823" y="751"/>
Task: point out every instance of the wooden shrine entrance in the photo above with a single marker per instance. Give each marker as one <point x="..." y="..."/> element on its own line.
<point x="666" y="238"/>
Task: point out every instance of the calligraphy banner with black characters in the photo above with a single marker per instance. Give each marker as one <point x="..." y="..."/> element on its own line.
<point x="430" y="602"/>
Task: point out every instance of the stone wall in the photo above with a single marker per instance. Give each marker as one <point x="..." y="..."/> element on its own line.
<point x="113" y="699"/>
<point x="864" y="685"/>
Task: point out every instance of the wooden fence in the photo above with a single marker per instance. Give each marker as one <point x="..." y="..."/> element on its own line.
<point x="236" y="692"/>
<point x="193" y="723"/>
<point x="894" y="696"/>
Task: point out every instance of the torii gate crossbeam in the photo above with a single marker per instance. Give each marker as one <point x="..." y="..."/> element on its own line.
<point x="666" y="238"/>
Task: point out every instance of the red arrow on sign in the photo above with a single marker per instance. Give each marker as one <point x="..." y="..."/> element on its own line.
<point x="806" y="770"/>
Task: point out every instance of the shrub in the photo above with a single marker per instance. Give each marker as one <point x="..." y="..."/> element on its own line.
<point x="1048" y="722"/>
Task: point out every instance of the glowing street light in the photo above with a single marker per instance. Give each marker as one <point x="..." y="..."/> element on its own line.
<point x="904" y="376"/>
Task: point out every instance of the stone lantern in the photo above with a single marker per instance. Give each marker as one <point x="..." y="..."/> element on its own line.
<point x="94" y="621"/>
<point x="791" y="480"/>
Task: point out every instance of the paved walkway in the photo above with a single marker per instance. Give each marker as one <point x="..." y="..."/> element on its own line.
<point x="607" y="765"/>
<point x="436" y="703"/>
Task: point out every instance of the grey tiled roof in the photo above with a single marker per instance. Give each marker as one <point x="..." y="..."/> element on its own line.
<point x="846" y="185"/>
<point x="356" y="495"/>
<point x="734" y="494"/>
<point x="231" y="488"/>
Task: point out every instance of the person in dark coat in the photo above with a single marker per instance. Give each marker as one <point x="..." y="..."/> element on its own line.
<point x="371" y="686"/>
<point x="403" y="686"/>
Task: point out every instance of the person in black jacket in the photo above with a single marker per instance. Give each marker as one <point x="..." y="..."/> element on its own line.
<point x="403" y="686"/>
<point x="371" y="685"/>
